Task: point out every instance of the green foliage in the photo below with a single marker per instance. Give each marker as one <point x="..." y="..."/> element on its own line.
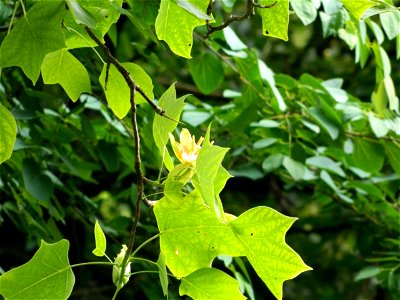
<point x="47" y="275"/>
<point x="323" y="147"/>
<point x="35" y="35"/>
<point x="7" y="134"/>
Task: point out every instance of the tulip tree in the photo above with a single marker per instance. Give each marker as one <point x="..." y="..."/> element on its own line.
<point x="55" y="42"/>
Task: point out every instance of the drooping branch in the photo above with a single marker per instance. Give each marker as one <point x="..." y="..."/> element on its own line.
<point x="250" y="11"/>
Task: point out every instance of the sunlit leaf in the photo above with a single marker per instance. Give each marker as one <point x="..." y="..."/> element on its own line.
<point x="201" y="284"/>
<point x="175" y="25"/>
<point x="100" y="239"/>
<point x="117" y="90"/>
<point x="275" y="20"/>
<point x="162" y="126"/>
<point x="358" y="7"/>
<point x="63" y="68"/>
<point x="8" y="132"/>
<point x="47" y="275"/>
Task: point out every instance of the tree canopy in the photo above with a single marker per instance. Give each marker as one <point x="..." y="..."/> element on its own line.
<point x="202" y="149"/>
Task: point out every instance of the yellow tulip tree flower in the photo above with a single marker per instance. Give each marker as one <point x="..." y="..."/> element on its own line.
<point x="187" y="149"/>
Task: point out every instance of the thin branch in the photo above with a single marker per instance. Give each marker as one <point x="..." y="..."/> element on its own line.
<point x="251" y="5"/>
<point x="125" y="73"/>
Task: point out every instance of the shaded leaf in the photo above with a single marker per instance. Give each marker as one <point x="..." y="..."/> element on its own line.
<point x="209" y="283"/>
<point x="47" y="275"/>
<point x="80" y="15"/>
<point x="35" y="35"/>
<point x="368" y="156"/>
<point x="207" y="72"/>
<point x="38" y="185"/>
<point x="162" y="268"/>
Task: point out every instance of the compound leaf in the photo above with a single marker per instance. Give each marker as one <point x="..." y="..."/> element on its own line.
<point x="35" y="35"/>
<point x="47" y="275"/>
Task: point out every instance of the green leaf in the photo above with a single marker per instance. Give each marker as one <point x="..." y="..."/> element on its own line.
<point x="209" y="283"/>
<point x="261" y="231"/>
<point x="263" y="143"/>
<point x="185" y="4"/>
<point x="63" y="68"/>
<point x="328" y="125"/>
<point x="391" y="23"/>
<point x="392" y="151"/>
<point x="100" y="239"/>
<point x="368" y="156"/>
<point x="173" y="108"/>
<point x="117" y="90"/>
<point x="305" y="10"/>
<point x="326" y="163"/>
<point x="175" y="25"/>
<point x="80" y="15"/>
<point x="38" y="185"/>
<point x="272" y="162"/>
<point x="191" y="236"/>
<point x="207" y="166"/>
<point x="162" y="268"/>
<point x="296" y="169"/>
<point x="103" y="12"/>
<point x="207" y="72"/>
<point x="367" y="272"/>
<point x="358" y="7"/>
<point x="47" y="275"/>
<point x="8" y="133"/>
<point x="35" y="35"/>
<point x="275" y="20"/>
<point x="378" y="125"/>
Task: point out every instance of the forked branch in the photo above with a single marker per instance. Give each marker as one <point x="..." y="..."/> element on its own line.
<point x="251" y="5"/>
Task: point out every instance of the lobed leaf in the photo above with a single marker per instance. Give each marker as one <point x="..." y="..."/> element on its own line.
<point x="63" y="68"/>
<point x="191" y="236"/>
<point x="35" y="35"/>
<point x="47" y="275"/>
